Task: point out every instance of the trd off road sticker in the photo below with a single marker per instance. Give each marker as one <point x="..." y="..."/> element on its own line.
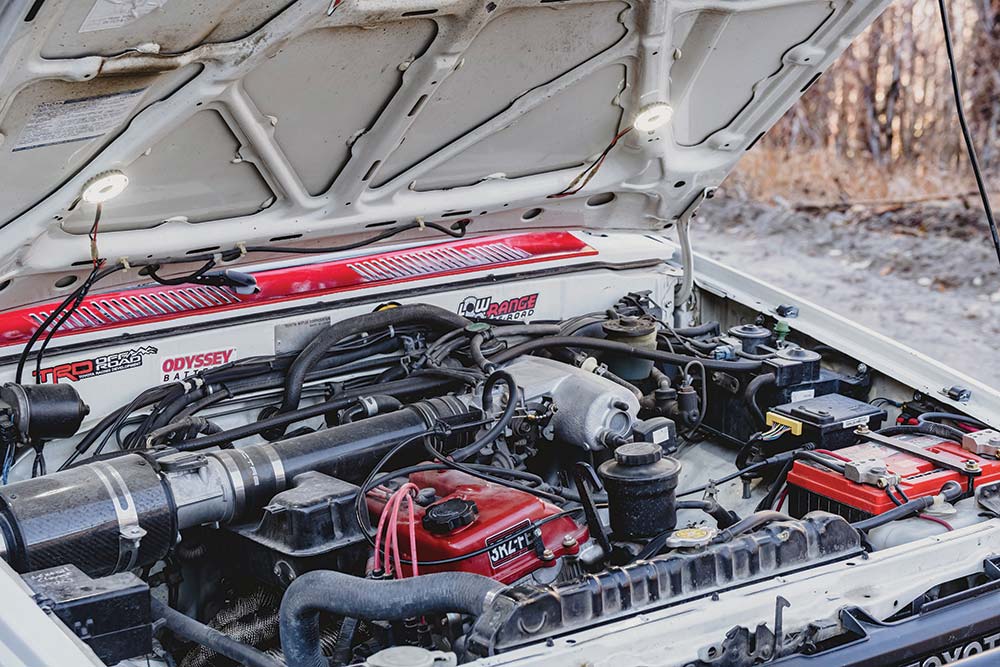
<point x="74" y="371"/>
<point x="180" y="366"/>
<point x="518" y="308"/>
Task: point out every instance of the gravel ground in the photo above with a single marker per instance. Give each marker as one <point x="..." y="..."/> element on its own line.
<point x="926" y="275"/>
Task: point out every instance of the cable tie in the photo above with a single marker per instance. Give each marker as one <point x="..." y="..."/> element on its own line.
<point x="242" y="247"/>
<point x="192" y="383"/>
<point x="420" y="223"/>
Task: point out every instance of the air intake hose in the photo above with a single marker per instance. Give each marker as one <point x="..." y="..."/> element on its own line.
<point x="346" y="595"/>
<point x="115" y="515"/>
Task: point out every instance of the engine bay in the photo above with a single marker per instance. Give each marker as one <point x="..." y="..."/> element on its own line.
<point x="467" y="481"/>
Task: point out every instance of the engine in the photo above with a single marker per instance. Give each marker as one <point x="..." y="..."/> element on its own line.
<point x="414" y="478"/>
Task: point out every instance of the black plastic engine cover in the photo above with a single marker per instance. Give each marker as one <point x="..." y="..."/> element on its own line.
<point x="313" y="517"/>
<point x="529" y="613"/>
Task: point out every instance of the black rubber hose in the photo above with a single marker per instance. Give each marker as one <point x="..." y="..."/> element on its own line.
<point x="527" y="330"/>
<point x="953" y="416"/>
<point x="501" y="424"/>
<point x="784" y="458"/>
<point x="143" y="400"/>
<point x="622" y="382"/>
<point x="476" y="342"/>
<point x="407" y="387"/>
<point x="492" y="470"/>
<point x="702" y="346"/>
<point x="752" y="522"/>
<point x="926" y="428"/>
<point x="201" y="634"/>
<point x="767" y="502"/>
<point x="723" y="517"/>
<point x="241" y="376"/>
<point x="432" y="316"/>
<point x="772" y="493"/>
<point x="499" y="481"/>
<point x="476" y="352"/>
<point x="752" y="389"/>
<point x="329" y="366"/>
<point x="825" y="461"/>
<point x="166" y="412"/>
<point x="342" y="594"/>
<point x="756" y="357"/>
<point x="218" y="394"/>
<point x="700" y="330"/>
<point x="198" y="424"/>
<point x="952" y="491"/>
<point x="584" y="342"/>
<point x="373" y="405"/>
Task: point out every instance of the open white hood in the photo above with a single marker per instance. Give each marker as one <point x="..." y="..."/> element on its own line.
<point x="313" y="122"/>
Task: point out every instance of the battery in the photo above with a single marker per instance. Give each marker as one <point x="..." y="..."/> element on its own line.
<point x="110" y="614"/>
<point x="812" y="486"/>
<point x="827" y="421"/>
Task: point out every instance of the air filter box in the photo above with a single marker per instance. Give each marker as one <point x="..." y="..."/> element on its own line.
<point x="827" y="421"/>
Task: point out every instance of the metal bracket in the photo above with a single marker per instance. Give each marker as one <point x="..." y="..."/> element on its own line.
<point x="584" y="475"/>
<point x="982" y="443"/>
<point x="871" y="472"/>
<point x="129" y="540"/>
<point x="901" y="445"/>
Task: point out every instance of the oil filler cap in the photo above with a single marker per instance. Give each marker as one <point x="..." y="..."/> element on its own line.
<point x="447" y="515"/>
<point x="638" y="454"/>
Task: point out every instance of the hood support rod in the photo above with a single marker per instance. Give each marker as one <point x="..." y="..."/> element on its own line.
<point x="686" y="288"/>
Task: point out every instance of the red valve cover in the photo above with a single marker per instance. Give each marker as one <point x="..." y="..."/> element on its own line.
<point x="504" y="521"/>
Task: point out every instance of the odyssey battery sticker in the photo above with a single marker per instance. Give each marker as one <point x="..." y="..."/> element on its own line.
<point x="180" y="366"/>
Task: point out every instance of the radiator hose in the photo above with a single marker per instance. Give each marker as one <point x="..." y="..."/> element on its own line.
<point x="346" y="595"/>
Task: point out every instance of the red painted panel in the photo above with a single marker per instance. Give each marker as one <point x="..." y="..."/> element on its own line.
<point x="158" y="303"/>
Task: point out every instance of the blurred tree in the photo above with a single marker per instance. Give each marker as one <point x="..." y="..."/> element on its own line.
<point x="888" y="98"/>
